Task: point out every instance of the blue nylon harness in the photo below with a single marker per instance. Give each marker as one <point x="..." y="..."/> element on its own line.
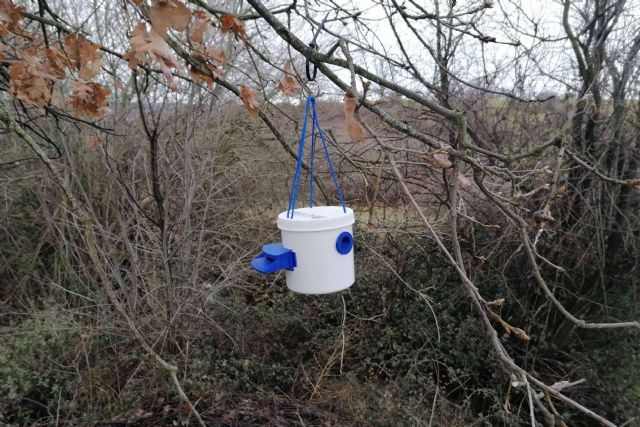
<point x="297" y="177"/>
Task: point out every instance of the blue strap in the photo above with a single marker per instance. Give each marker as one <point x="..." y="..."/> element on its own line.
<point x="297" y="176"/>
<point x="333" y="174"/>
<point x="313" y="151"/>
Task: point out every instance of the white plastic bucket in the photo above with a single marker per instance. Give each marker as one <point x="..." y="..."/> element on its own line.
<point x="317" y="236"/>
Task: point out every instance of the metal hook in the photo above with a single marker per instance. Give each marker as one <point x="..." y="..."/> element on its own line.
<point x="309" y="55"/>
<point x="312" y="78"/>
<point x="313" y="88"/>
<point x="313" y="46"/>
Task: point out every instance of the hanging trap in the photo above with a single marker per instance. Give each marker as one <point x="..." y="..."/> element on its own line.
<point x="316" y="252"/>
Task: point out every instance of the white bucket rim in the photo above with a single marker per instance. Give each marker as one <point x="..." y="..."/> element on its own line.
<point x="317" y="218"/>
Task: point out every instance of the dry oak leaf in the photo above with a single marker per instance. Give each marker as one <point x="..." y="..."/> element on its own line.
<point x="542" y="216"/>
<point x="11" y="15"/>
<point x="169" y="14"/>
<point x="84" y="56"/>
<point x="198" y="76"/>
<point x="213" y="58"/>
<point x="90" y="99"/>
<point x="354" y="129"/>
<point x="95" y="142"/>
<point x="56" y="62"/>
<point x="441" y="160"/>
<point x="235" y="25"/>
<point x="634" y="183"/>
<point x="508" y="329"/>
<point x="438" y="159"/>
<point x="249" y="97"/>
<point x="198" y="28"/>
<point x="520" y="333"/>
<point x="30" y="81"/>
<point x="148" y="46"/>
<point x="288" y="86"/>
<point x="560" y="192"/>
<point x="216" y="56"/>
<point x="465" y="183"/>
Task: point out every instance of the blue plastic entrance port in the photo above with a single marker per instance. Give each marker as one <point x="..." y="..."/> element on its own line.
<point x="344" y="243"/>
<point x="274" y="257"/>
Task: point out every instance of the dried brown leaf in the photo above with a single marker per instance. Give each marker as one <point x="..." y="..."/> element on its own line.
<point x="465" y="182"/>
<point x="148" y="46"/>
<point x="30" y="82"/>
<point x="199" y="26"/>
<point x="634" y="183"/>
<point x="441" y="160"/>
<point x="10" y="15"/>
<point x="354" y="129"/>
<point x="230" y="23"/>
<point x="95" y="142"/>
<point x="519" y="333"/>
<point x="288" y="85"/>
<point x="508" y="329"/>
<point x="560" y="192"/>
<point x="84" y="56"/>
<point x="169" y="14"/>
<point x="198" y="76"/>
<point x="249" y="97"/>
<point x="56" y="62"/>
<point x="438" y="159"/>
<point x="216" y="56"/>
<point x="213" y="58"/>
<point x="90" y="99"/>
<point x="541" y="216"/>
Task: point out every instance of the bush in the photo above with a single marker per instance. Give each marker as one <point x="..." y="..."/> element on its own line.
<point x="36" y="376"/>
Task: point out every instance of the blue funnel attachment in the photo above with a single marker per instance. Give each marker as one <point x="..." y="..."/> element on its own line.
<point x="274" y="257"/>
